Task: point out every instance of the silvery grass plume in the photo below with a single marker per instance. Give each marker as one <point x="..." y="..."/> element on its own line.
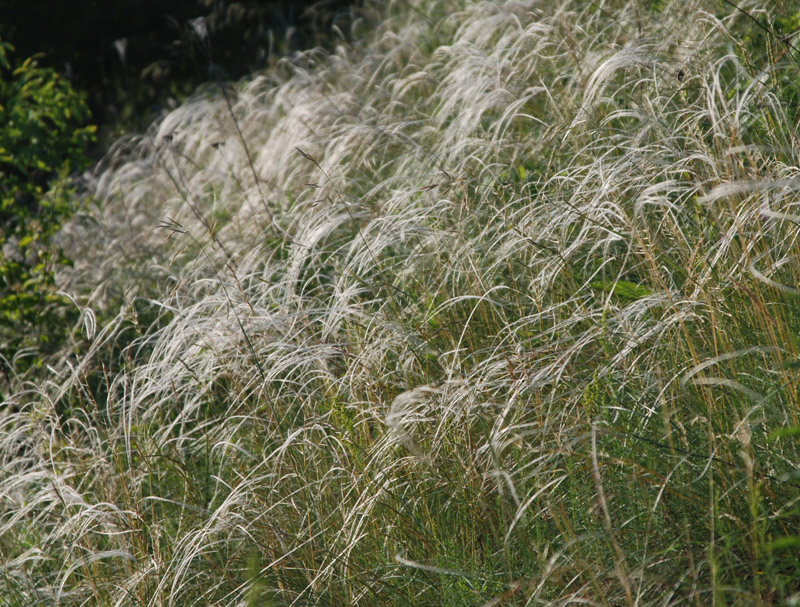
<point x="494" y="306"/>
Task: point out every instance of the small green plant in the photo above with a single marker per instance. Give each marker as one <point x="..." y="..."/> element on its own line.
<point x="43" y="140"/>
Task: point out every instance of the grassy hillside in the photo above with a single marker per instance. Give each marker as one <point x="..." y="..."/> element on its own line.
<point x="497" y="306"/>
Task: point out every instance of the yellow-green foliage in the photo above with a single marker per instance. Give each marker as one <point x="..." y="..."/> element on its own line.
<point x="43" y="140"/>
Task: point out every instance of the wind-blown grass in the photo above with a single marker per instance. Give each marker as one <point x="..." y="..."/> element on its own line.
<point x="496" y="306"/>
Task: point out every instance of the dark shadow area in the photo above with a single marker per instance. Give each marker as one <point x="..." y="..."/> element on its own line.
<point x="134" y="58"/>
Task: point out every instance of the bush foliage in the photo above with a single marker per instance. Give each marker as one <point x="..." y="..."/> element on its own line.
<point x="43" y="142"/>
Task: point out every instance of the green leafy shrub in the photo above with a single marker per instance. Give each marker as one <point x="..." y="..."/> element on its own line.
<point x="43" y="140"/>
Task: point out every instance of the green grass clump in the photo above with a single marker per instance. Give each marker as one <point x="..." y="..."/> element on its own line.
<point x="498" y="306"/>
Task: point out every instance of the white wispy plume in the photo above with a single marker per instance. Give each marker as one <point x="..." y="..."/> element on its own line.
<point x="424" y="318"/>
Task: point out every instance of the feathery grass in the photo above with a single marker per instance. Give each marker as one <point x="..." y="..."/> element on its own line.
<point x="497" y="306"/>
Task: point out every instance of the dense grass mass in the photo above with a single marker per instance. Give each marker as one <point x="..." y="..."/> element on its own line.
<point x="497" y="306"/>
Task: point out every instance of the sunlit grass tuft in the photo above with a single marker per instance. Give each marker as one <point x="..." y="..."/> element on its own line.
<point x="497" y="306"/>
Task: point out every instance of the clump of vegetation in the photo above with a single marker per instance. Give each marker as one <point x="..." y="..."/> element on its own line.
<point x="498" y="307"/>
<point x="43" y="142"/>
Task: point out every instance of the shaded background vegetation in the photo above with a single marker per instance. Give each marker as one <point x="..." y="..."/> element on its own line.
<point x="134" y="58"/>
